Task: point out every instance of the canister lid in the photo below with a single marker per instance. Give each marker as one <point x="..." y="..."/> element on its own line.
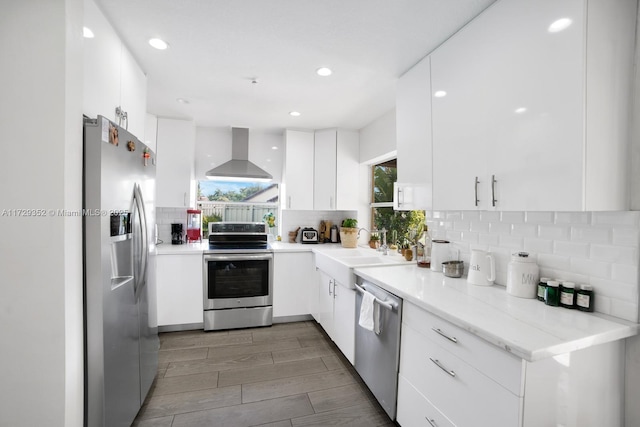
<point x="522" y="257"/>
<point x="586" y="287"/>
<point x="553" y="283"/>
<point x="568" y="285"/>
<point x="544" y="279"/>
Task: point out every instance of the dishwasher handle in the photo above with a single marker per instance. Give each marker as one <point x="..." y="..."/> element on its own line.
<point x="388" y="305"/>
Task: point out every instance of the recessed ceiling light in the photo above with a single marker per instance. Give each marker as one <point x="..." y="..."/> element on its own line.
<point x="159" y="44"/>
<point x="274" y="147"/>
<point x="87" y="33"/>
<point x="324" y="71"/>
<point x="440" y="94"/>
<point x="521" y="110"/>
<point x="294" y="113"/>
<point x="559" y="25"/>
<point x="182" y="101"/>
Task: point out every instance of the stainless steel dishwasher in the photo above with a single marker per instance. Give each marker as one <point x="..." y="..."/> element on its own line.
<point x="378" y="355"/>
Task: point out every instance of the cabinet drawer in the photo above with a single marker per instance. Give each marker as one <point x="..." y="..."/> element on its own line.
<point x="503" y="367"/>
<point x="457" y="389"/>
<point x="415" y="410"/>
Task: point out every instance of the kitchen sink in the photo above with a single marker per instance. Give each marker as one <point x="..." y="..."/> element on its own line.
<point x="340" y="263"/>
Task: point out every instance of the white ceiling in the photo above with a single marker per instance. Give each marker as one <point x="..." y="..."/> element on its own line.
<point x="217" y="47"/>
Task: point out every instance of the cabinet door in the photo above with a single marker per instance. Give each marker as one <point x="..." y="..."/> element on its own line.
<point x="292" y="273"/>
<point x="102" y="59"/>
<point x="298" y="170"/>
<point x="133" y="96"/>
<point x="325" y="302"/>
<point x="347" y="170"/>
<point x="344" y="317"/>
<point x="324" y="173"/>
<point x="512" y="108"/>
<point x="179" y="289"/>
<point x="413" y="125"/>
<point x="175" y="162"/>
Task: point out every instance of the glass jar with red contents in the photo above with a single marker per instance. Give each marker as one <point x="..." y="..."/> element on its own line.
<point x="194" y="225"/>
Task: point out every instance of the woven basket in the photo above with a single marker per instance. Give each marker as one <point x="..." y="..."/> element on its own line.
<point x="349" y="237"/>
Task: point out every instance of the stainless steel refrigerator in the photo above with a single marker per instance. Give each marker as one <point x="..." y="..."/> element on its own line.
<point x="121" y="333"/>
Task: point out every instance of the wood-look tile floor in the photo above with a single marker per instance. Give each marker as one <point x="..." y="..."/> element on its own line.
<point x="289" y="374"/>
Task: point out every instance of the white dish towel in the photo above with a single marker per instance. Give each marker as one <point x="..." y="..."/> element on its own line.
<point x="369" y="313"/>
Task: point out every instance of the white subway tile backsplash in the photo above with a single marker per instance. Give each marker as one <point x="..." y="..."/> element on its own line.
<point x="626" y="236"/>
<point x="603" y="304"/>
<point x="512" y="217"/>
<point x="471" y="215"/>
<point x="525" y="230"/>
<point x="623" y="309"/>
<point x="615" y="290"/>
<point x="538" y="246"/>
<point x="480" y="227"/>
<point x="461" y="225"/>
<point x="539" y="217"/>
<point x="500" y="228"/>
<point x="470" y="237"/>
<point x="573" y="249"/>
<point x="573" y="218"/>
<point x="624" y="273"/>
<point x="591" y="268"/>
<point x="516" y="243"/>
<point x="589" y="234"/>
<point x="614" y="254"/>
<point x="488" y="239"/>
<point x="454" y="216"/>
<point x="556" y="262"/>
<point x="454" y="236"/>
<point x="490" y="216"/>
<point x="616" y="218"/>
<point x="554" y="232"/>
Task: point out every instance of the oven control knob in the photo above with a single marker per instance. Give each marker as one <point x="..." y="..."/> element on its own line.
<point x="238" y="301"/>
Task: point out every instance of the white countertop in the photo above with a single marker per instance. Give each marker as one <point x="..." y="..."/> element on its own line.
<point x="186" y="248"/>
<point x="525" y="327"/>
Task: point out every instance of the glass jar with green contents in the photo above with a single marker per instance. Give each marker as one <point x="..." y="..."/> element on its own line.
<point x="568" y="294"/>
<point x="584" y="298"/>
<point x="542" y="288"/>
<point x="552" y="295"/>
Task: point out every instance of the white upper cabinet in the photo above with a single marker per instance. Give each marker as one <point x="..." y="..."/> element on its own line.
<point x="297" y="175"/>
<point x="112" y="77"/>
<point x="321" y="170"/>
<point x="176" y="140"/>
<point x="525" y="118"/>
<point x="324" y="173"/>
<point x="336" y="165"/>
<point x="413" y="124"/>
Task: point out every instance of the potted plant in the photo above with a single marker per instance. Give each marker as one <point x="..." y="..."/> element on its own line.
<point x="374" y="241"/>
<point x="405" y="249"/>
<point x="349" y="233"/>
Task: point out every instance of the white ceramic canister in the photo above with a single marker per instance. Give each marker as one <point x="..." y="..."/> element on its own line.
<point x="522" y="276"/>
<point x="440" y="252"/>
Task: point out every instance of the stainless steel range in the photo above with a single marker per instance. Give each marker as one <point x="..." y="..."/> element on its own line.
<point x="238" y="276"/>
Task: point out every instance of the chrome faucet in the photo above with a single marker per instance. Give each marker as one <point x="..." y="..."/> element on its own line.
<point x="383" y="247"/>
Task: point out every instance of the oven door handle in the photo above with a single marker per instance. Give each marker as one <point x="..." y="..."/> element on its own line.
<point x="238" y="257"/>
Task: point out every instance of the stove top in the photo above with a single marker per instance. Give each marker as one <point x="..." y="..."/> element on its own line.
<point x="238" y="236"/>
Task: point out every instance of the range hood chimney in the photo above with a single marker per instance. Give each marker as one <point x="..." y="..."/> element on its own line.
<point x="239" y="168"/>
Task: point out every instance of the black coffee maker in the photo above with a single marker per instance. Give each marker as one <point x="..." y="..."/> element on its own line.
<point x="176" y="234"/>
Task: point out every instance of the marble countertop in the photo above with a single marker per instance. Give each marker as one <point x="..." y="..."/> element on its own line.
<point x="525" y="327"/>
<point x="191" y="248"/>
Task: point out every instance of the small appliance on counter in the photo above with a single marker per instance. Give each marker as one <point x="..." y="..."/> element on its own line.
<point x="522" y="276"/>
<point x="335" y="234"/>
<point x="309" y="235"/>
<point x="194" y="226"/>
<point x="176" y="234"/>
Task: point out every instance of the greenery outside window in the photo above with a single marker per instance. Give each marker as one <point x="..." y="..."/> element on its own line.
<point x="407" y="225"/>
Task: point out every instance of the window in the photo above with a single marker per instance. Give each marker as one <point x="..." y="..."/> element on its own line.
<point x="401" y="225"/>
<point x="236" y="201"/>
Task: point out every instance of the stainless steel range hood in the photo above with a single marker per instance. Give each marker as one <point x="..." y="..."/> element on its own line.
<point x="239" y="168"/>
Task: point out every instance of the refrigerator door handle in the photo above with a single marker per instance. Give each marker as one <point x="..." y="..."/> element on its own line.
<point x="140" y="211"/>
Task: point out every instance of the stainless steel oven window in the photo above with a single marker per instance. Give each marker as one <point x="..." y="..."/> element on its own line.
<point x="238" y="280"/>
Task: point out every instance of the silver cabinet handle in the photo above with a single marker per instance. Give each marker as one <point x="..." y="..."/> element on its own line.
<point x="330" y="280"/>
<point x="439" y="365"/>
<point x="400" y="201"/>
<point x="476" y="190"/>
<point x="432" y="422"/>
<point x="493" y="190"/>
<point x="439" y="331"/>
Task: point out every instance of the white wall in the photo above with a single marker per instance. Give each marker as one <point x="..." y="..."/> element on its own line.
<point x="41" y="168"/>
<point x="213" y="148"/>
<point x="378" y="139"/>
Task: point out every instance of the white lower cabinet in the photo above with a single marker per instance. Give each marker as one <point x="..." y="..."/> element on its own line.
<point x="449" y="377"/>
<point x="179" y="289"/>
<point x="336" y="313"/>
<point x="293" y="274"/>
